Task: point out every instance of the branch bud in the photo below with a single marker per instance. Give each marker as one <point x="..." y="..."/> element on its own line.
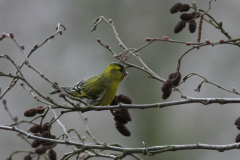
<point x="3" y="34"/>
<point x="194" y="4"/>
<point x="221" y="41"/>
<point x="22" y="47"/>
<point x="35" y="46"/>
<point x="4" y="101"/>
<point x="220" y="24"/>
<point x="62" y="95"/>
<point x="234" y="89"/>
<point x="165" y="38"/>
<point x="148" y="39"/>
<point x="207" y="41"/>
<point x="51" y="37"/>
<point x="11" y="35"/>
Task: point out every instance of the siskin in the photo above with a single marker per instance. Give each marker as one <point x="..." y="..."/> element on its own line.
<point x="98" y="90"/>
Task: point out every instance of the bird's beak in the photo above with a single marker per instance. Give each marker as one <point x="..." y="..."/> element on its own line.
<point x="127" y="74"/>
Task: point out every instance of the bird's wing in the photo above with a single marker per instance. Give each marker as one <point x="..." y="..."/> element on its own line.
<point x="92" y="87"/>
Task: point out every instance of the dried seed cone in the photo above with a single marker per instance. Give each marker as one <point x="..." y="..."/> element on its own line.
<point x="46" y="126"/>
<point x="4" y="101"/>
<point x="11" y="35"/>
<point x="45" y="143"/>
<point x="176" y="7"/>
<point x="41" y="150"/>
<point x="52" y="155"/>
<point x="119" y="118"/>
<point x="40" y="110"/>
<point x="194" y="14"/>
<point x="166" y="86"/>
<point x="27" y="157"/>
<point x="185" y="8"/>
<point x="166" y="89"/>
<point x="237" y="139"/>
<point x="46" y="134"/>
<point x="35" y="129"/>
<point x="186" y="16"/>
<point x="122" y="129"/>
<point x="37" y="134"/>
<point x="175" y="78"/>
<point x="167" y="94"/>
<point x="192" y="26"/>
<point x="237" y="123"/>
<point x="124" y="99"/>
<point x="125" y="114"/>
<point x="30" y="113"/>
<point x="35" y="143"/>
<point x="179" y="27"/>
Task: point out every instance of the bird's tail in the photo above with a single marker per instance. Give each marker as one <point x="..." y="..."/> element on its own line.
<point x="56" y="90"/>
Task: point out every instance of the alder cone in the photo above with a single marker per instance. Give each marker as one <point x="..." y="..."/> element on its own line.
<point x="40" y="110"/>
<point x="186" y="16"/>
<point x="166" y="86"/>
<point x="167" y="94"/>
<point x="185" y="8"/>
<point x="30" y="113"/>
<point x="52" y="155"/>
<point x="237" y="139"/>
<point x="124" y="99"/>
<point x="46" y="127"/>
<point x="175" y="78"/>
<point x="41" y="150"/>
<point x="35" y="143"/>
<point x="176" y="7"/>
<point x="126" y="115"/>
<point x="35" y="129"/>
<point x="122" y="129"/>
<point x="179" y="27"/>
<point x="192" y="26"/>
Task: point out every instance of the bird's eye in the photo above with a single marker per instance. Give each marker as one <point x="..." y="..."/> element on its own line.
<point x="120" y="70"/>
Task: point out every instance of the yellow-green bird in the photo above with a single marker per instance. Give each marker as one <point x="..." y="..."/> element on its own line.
<point x="98" y="90"/>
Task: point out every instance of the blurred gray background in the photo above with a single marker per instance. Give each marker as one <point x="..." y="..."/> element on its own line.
<point x="76" y="55"/>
